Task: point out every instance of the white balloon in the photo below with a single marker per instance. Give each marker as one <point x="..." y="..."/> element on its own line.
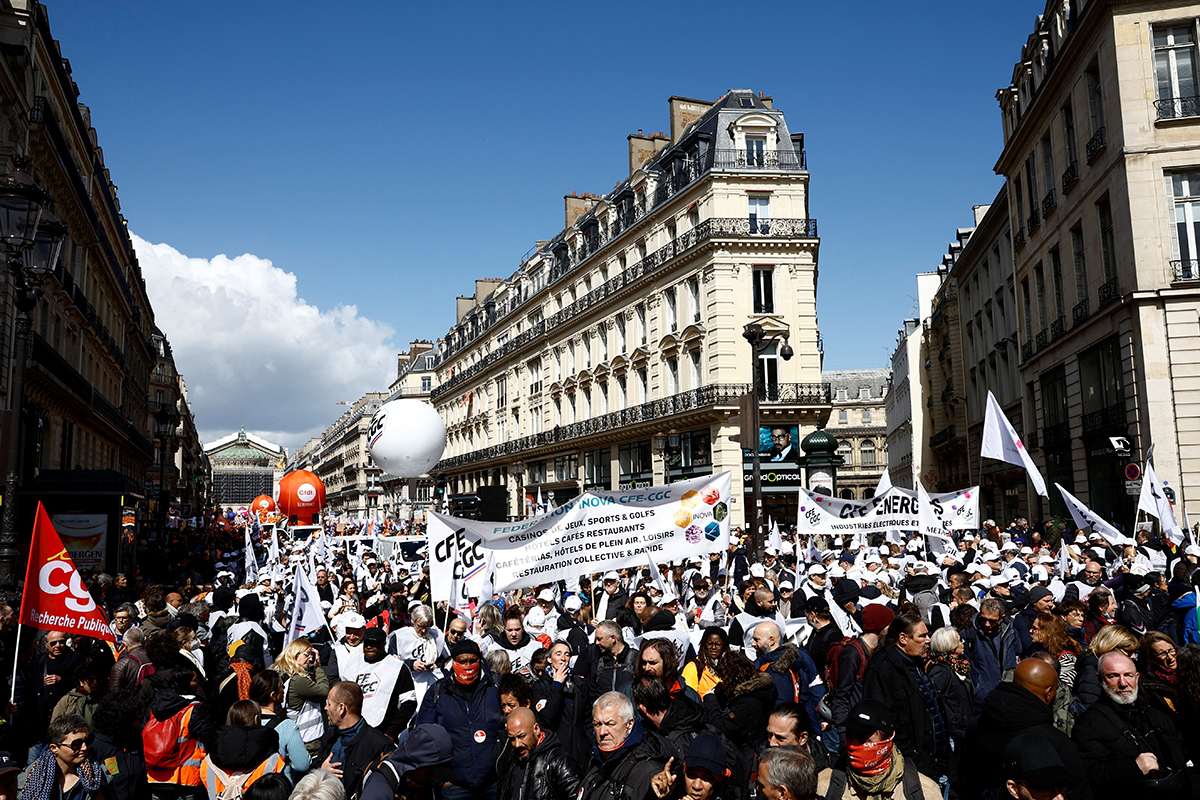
<point x="406" y="438"/>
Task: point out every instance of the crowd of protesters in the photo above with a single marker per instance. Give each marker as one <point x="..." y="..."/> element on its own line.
<point x="864" y="669"/>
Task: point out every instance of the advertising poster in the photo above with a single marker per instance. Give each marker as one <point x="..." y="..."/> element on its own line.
<point x="85" y="536"/>
<point x="777" y="444"/>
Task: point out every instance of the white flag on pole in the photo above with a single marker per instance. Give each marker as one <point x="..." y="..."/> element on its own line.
<point x="274" y="546"/>
<point x="657" y="577"/>
<point x="1064" y="559"/>
<point x="1153" y="500"/>
<point x="251" y="561"/>
<point x="1000" y="441"/>
<point x="1086" y="518"/>
<point x="774" y="539"/>
<point x="306" y="614"/>
<point x="844" y="621"/>
<point x="931" y="526"/>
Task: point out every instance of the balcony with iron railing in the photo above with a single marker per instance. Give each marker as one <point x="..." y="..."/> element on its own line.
<point x="1042" y="339"/>
<point x="1019" y="239"/>
<point x="1185" y="270"/>
<point x="1110" y="417"/>
<point x="1080" y="312"/>
<point x="715" y="227"/>
<point x="1070" y="177"/>
<point x="1058" y="328"/>
<point x="1026" y="350"/>
<point x="1059" y="433"/>
<point x="1096" y="145"/>
<point x="1176" y="108"/>
<point x="672" y="181"/>
<point x="1109" y="292"/>
<point x="655" y="411"/>
<point x="945" y="436"/>
<point x="1049" y="202"/>
<point x="1034" y="221"/>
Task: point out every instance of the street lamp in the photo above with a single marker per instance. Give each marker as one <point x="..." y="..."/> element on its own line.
<point x="165" y="419"/>
<point x="518" y="471"/>
<point x="31" y="239"/>
<point x="759" y="344"/>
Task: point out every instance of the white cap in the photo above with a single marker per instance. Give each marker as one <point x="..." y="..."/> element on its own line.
<point x="785" y="585"/>
<point x="1010" y="547"/>
<point x="771" y="551"/>
<point x="837" y="572"/>
<point x="1001" y="580"/>
<point x="968" y="537"/>
<point x="351" y="620"/>
<point x="758" y="570"/>
<point x="547" y="595"/>
<point x="668" y="598"/>
<point x="1094" y="537"/>
<point x="913" y="547"/>
<point x="1191" y="550"/>
<point x="535" y="618"/>
<point x="1045" y="560"/>
<point x="611" y="576"/>
<point x="873" y="559"/>
<point x="984" y="570"/>
<point x="1040" y="573"/>
<point x="816" y="569"/>
<point x="1080" y="538"/>
<point x="572" y="604"/>
<point x="1026" y="551"/>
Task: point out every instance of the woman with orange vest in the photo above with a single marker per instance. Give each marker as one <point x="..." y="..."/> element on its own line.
<point x="244" y="751"/>
<point x="175" y="736"/>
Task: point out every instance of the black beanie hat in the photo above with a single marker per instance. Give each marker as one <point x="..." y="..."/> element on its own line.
<point x="465" y="646"/>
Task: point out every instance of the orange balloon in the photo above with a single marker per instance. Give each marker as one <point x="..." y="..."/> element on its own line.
<point x="263" y="503"/>
<point x="301" y="494"/>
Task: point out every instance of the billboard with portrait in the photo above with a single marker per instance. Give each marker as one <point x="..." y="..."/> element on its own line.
<point x="778" y="445"/>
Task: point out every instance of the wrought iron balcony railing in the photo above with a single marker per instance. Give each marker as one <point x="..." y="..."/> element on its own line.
<point x="1186" y="270"/>
<point x="1070" y="176"/>
<point x="780" y="160"/>
<point x="653" y="411"/>
<point x="1096" y="145"/>
<point x="1058" y="328"/>
<point x="1048" y="203"/>
<point x="1177" y="108"/>
<point x="1110" y="417"/>
<point x="1056" y="434"/>
<point x="1080" y="312"/>
<point x="1026" y="351"/>
<point x="1034" y="221"/>
<point x="1019" y="239"/>
<point x="944" y="437"/>
<point x="712" y="228"/>
<point x="1042" y="339"/>
<point x="1109" y="292"/>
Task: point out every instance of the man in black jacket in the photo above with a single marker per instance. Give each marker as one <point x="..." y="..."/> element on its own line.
<point x="896" y="677"/>
<point x="1025" y="706"/>
<point x="350" y="744"/>
<point x="625" y="757"/>
<point x="534" y="766"/>
<point x="1126" y="743"/>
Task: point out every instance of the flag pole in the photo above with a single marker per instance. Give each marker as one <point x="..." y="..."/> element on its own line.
<point x="12" y="694"/>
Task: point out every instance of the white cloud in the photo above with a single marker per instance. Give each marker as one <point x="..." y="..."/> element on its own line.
<point x="253" y="352"/>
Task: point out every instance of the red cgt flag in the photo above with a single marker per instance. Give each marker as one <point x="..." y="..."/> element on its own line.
<point x="55" y="598"/>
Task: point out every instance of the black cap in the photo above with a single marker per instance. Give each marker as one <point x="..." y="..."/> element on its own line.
<point x="845" y="592"/>
<point x="465" y="646"/>
<point x="707" y="752"/>
<point x="375" y="636"/>
<point x="870" y="716"/>
<point x="428" y="746"/>
<point x="7" y="764"/>
<point x="1033" y="760"/>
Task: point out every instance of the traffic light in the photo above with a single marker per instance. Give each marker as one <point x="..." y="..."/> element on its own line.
<point x="747" y="422"/>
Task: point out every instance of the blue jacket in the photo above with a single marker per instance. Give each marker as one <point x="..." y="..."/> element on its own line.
<point x="990" y="657"/>
<point x="1188" y="601"/>
<point x="465" y="711"/>
<point x="792" y="671"/>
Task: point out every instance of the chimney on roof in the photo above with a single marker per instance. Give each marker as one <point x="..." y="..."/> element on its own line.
<point x="684" y="111"/>
<point x="576" y="207"/>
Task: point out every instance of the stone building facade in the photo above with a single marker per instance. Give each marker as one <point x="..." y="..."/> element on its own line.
<point x="628" y="323"/>
<point x="244" y="466"/>
<point x="342" y="460"/>
<point x="859" y="423"/>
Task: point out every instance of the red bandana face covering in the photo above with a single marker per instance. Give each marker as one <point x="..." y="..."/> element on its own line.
<point x="870" y="758"/>
<point x="465" y="673"/>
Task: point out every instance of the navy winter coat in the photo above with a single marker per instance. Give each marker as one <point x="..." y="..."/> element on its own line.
<point x="472" y="717"/>
<point x="990" y="657"/>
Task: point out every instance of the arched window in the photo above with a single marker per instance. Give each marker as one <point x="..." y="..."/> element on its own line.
<point x="846" y="451"/>
<point x="846" y="494"/>
<point x="866" y="453"/>
<point x="868" y="494"/>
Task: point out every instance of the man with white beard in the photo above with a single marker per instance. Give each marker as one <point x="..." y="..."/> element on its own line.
<point x="1126" y="742"/>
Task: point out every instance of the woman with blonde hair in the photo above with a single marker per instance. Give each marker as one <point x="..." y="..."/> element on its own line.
<point x="1106" y="640"/>
<point x="305" y="687"/>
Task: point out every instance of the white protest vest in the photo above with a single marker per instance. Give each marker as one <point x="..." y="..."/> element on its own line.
<point x="309" y="719"/>
<point x="377" y="682"/>
<point x="1085" y="590"/>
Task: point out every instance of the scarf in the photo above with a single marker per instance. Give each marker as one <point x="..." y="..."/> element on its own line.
<point x="879" y="787"/>
<point x="941" y="737"/>
<point x="342" y="739"/>
<point x="242" y="670"/>
<point x="43" y="776"/>
<point x="959" y="664"/>
<point x="1164" y="674"/>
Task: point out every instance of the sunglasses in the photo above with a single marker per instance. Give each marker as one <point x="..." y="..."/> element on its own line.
<point x="77" y="744"/>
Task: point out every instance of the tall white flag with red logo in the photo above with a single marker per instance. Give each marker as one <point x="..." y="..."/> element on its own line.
<point x="1000" y="441"/>
<point x="55" y="598"/>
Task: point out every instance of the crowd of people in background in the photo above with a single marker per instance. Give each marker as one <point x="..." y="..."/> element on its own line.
<point x="840" y="667"/>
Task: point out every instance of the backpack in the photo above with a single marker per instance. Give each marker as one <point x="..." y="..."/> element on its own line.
<point x="833" y="655"/>
<point x="233" y="786"/>
<point x="145" y="668"/>
<point x="161" y="740"/>
<point x="912" y="783"/>
<point x="924" y="600"/>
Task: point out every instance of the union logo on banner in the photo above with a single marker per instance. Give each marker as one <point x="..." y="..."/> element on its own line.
<point x="55" y="598"/>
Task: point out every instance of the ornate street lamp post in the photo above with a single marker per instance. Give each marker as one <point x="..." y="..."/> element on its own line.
<point x="759" y="344"/>
<point x="165" y="418"/>
<point x="30" y="238"/>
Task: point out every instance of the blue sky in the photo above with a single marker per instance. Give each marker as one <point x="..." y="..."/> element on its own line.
<point x="388" y="154"/>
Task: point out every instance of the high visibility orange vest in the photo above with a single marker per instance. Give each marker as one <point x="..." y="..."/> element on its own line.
<point x="216" y="779"/>
<point x="187" y="773"/>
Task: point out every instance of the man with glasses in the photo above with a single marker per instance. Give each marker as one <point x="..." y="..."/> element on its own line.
<point x="55" y="671"/>
<point x="122" y="621"/>
<point x="455" y="632"/>
<point x="781" y="447"/>
<point x="1090" y="579"/>
<point x="990" y="644"/>
<point x="324" y="587"/>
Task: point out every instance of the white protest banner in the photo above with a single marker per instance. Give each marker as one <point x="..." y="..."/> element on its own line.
<point x="1084" y="517"/>
<point x="896" y="508"/>
<point x="458" y="563"/>
<point x="594" y="532"/>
